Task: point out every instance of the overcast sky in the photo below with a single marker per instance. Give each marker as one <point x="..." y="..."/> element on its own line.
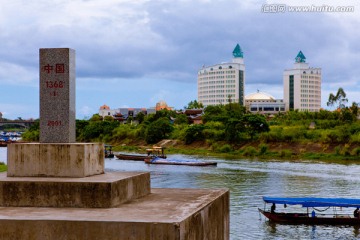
<point x="134" y="53"/>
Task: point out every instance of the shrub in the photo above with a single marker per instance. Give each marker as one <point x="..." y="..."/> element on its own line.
<point x="214" y="130"/>
<point x="326" y="124"/>
<point x="179" y="132"/>
<point x="263" y="148"/>
<point x="285" y="153"/>
<point x="32" y="136"/>
<point x="225" y="148"/>
<point x="194" y="132"/>
<point x="275" y="134"/>
<point x="312" y="135"/>
<point x="249" y="151"/>
<point x="293" y="134"/>
<point x="215" y="146"/>
<point x="346" y="150"/>
<point x="355" y="138"/>
<point x="356" y="151"/>
<point x="337" y="150"/>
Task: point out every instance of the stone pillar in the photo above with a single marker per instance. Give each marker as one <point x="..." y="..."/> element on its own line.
<point x="57" y="95"/>
<point x="57" y="154"/>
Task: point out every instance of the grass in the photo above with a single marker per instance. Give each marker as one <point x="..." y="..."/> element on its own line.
<point x="3" y="167"/>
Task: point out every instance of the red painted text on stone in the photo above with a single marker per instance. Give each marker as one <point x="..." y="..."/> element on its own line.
<point x="54" y="123"/>
<point x="59" y="68"/>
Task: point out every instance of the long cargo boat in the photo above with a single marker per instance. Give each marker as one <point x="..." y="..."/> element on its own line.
<point x="191" y="162"/>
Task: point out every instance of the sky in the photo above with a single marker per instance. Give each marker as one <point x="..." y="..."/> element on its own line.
<point x="134" y="53"/>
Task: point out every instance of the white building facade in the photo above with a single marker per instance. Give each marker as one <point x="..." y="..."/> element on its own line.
<point x="105" y="110"/>
<point x="264" y="103"/>
<point x="302" y="86"/>
<point x="222" y="82"/>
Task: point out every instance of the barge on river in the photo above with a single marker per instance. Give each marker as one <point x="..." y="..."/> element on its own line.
<point x="150" y="153"/>
<point x="316" y="216"/>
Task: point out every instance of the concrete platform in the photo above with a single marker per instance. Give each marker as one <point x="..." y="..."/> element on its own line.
<point x="55" y="159"/>
<point x="179" y="214"/>
<point x="98" y="191"/>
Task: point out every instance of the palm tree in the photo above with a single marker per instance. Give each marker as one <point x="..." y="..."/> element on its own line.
<point x="339" y="99"/>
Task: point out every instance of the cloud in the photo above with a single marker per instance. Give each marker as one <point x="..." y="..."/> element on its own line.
<point x="11" y="71"/>
<point x="134" y="39"/>
<point x="134" y="43"/>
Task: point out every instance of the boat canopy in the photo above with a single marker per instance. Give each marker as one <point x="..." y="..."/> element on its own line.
<point x="315" y="202"/>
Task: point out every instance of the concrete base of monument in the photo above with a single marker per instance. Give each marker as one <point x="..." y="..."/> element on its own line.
<point x="98" y="191"/>
<point x="164" y="214"/>
<point x="55" y="159"/>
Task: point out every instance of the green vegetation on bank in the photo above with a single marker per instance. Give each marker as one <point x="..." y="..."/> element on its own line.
<point x="230" y="131"/>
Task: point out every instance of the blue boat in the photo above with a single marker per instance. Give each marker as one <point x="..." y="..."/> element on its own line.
<point x="316" y="216"/>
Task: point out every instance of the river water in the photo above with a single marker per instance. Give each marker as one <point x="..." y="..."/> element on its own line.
<point x="249" y="180"/>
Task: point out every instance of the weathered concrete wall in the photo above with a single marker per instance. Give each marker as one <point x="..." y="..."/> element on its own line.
<point x="99" y="191"/>
<point x="86" y="230"/>
<point x="55" y="159"/>
<point x="165" y="214"/>
<point x="210" y="222"/>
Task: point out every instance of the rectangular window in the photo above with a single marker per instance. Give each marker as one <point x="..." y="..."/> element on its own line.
<point x="291" y="92"/>
<point x="241" y="88"/>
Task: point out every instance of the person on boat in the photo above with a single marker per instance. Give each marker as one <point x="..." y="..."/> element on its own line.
<point x="273" y="208"/>
<point x="356" y="213"/>
<point x="313" y="214"/>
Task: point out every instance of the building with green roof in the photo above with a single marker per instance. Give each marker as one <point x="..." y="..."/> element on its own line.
<point x="223" y="82"/>
<point x="302" y="86"/>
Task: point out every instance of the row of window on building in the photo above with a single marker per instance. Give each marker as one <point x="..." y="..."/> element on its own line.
<point x="215" y="72"/>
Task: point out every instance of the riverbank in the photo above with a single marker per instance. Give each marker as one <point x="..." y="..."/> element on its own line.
<point x="253" y="150"/>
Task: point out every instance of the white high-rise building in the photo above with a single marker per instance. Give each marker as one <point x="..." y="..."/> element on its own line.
<point x="302" y="86"/>
<point x="222" y="82"/>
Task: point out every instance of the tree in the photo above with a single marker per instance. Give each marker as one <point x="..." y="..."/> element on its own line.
<point x="355" y="109"/>
<point x="194" y="105"/>
<point x="339" y="99"/>
<point x="158" y="130"/>
<point x="346" y="115"/>
<point x="33" y="133"/>
<point x="109" y="118"/>
<point x="214" y="113"/>
<point x="164" y="113"/>
<point x="80" y="125"/>
<point x="97" y="130"/>
<point x="255" y="124"/>
<point x="233" y="128"/>
<point x="181" y="118"/>
<point x="194" y="132"/>
<point x="129" y="120"/>
<point x="140" y="117"/>
<point x="214" y="130"/>
<point x="96" y="117"/>
<point x="229" y="99"/>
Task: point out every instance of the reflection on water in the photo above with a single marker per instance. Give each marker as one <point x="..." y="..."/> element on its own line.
<point x="249" y="180"/>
